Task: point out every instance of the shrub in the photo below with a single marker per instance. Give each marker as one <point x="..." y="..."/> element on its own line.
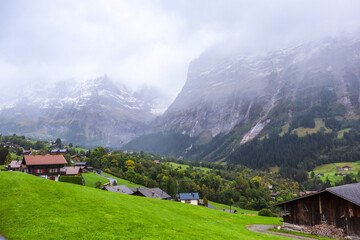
<point x="266" y="213"/>
<point x="71" y="179"/>
<point x="98" y="184"/>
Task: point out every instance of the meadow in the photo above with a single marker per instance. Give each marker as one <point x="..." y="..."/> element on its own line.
<point x="184" y="166"/>
<point x="36" y="208"/>
<point x="121" y="181"/>
<point x="330" y="169"/>
<point x="91" y="178"/>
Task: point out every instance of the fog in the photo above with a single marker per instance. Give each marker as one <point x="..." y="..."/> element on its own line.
<point x="150" y="42"/>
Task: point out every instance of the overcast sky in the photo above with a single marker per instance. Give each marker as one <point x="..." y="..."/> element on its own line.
<point x="149" y="42"/>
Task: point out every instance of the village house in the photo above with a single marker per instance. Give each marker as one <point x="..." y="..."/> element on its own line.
<point x="14" y="165"/>
<point x="45" y="166"/>
<point x="151" y="193"/>
<point x="70" y="171"/>
<point x="338" y="206"/>
<point x="191" y="198"/>
<point x="84" y="167"/>
<point x="59" y="151"/>
<point x="119" y="189"/>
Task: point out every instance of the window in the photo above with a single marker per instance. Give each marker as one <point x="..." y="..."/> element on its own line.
<point x="39" y="170"/>
<point x="53" y="170"/>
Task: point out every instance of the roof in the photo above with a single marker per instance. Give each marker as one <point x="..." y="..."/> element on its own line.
<point x="63" y="150"/>
<point x="15" y="164"/>
<point x="44" y="159"/>
<point x="80" y="164"/>
<point x="153" y="193"/>
<point x="349" y="192"/>
<point x="119" y="189"/>
<point x="71" y="170"/>
<point x="54" y="150"/>
<point x="189" y="196"/>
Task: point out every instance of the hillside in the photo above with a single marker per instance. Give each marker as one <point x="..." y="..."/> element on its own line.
<point x="49" y="210"/>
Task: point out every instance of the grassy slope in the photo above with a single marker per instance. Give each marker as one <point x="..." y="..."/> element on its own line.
<point x="301" y="132"/>
<point x="52" y="210"/>
<point x="91" y="178"/>
<point x="121" y="181"/>
<point x="329" y="170"/>
<point x="239" y="210"/>
<point x="184" y="166"/>
<point x="14" y="156"/>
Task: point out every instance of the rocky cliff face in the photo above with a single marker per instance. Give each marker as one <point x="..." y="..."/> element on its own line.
<point x="223" y="92"/>
<point x="91" y="113"/>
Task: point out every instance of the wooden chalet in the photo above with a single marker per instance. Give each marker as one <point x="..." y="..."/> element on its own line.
<point x="59" y="151"/>
<point x="338" y="206"/>
<point x="45" y="166"/>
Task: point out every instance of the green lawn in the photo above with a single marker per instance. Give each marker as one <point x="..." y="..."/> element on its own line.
<point x="239" y="210"/>
<point x="121" y="181"/>
<point x="329" y="170"/>
<point x="80" y="149"/>
<point x="2" y="167"/>
<point x="53" y="210"/>
<point x="91" y="178"/>
<point x="184" y="166"/>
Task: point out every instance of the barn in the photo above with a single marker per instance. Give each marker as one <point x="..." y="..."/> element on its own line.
<point x="338" y="206"/>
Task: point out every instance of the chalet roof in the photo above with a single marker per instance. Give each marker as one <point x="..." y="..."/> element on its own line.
<point x="80" y="164"/>
<point x="154" y="193"/>
<point x="44" y="159"/>
<point x="119" y="189"/>
<point x="189" y="196"/>
<point x="15" y="164"/>
<point x="54" y="150"/>
<point x="70" y="170"/>
<point x="349" y="192"/>
<point x="63" y="150"/>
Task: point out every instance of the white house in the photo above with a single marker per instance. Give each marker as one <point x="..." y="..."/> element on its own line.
<point x="191" y="198"/>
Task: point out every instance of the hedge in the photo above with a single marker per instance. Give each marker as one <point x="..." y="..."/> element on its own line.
<point x="266" y="213"/>
<point x="71" y="179"/>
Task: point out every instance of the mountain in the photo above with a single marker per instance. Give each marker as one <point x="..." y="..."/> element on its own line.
<point x="90" y="113"/>
<point x="228" y="100"/>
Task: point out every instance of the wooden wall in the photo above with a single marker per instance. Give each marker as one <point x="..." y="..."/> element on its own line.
<point x="326" y="206"/>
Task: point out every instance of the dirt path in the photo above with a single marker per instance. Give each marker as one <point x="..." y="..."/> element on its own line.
<point x="263" y="229"/>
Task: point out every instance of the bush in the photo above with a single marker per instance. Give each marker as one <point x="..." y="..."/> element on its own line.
<point x="266" y="213"/>
<point x="71" y="179"/>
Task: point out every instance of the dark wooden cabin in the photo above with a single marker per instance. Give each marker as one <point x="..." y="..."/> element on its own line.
<point x="45" y="166"/>
<point x="338" y="206"/>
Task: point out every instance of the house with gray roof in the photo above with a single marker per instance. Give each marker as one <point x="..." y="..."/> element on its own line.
<point x="119" y="189"/>
<point x="191" y="198"/>
<point x="151" y="193"/>
<point x="338" y="206"/>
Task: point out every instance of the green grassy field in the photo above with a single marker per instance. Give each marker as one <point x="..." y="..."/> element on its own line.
<point x="121" y="181"/>
<point x="239" y="210"/>
<point x="184" y="166"/>
<point x="91" y="178"/>
<point x="301" y="132"/>
<point x="329" y="170"/>
<point x="81" y="149"/>
<point x="35" y="208"/>
<point x="340" y="134"/>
